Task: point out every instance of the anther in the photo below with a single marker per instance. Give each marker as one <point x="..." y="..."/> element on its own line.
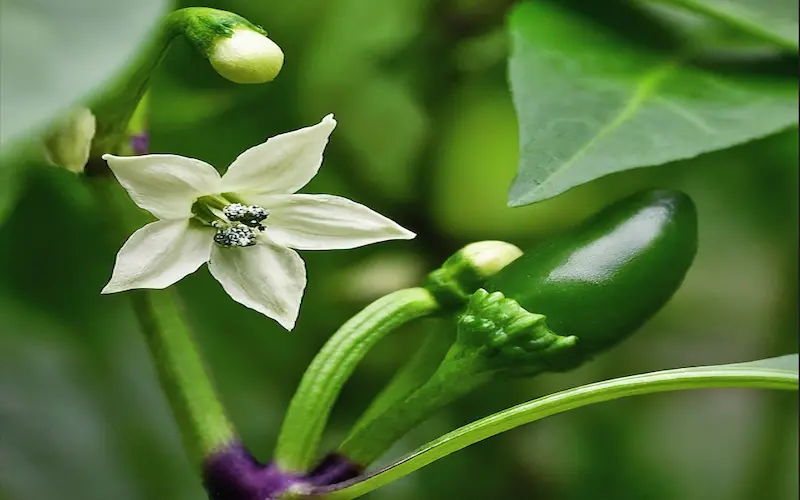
<point x="249" y="215"/>
<point x="237" y="235"/>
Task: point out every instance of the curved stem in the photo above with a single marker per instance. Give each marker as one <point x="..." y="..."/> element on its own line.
<point x="496" y="338"/>
<point x="114" y="108"/>
<point x="372" y="437"/>
<point x="311" y="405"/>
<point x="662" y="381"/>
<point x="412" y="375"/>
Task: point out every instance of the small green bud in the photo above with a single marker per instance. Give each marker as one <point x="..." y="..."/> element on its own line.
<point x="509" y="338"/>
<point x="246" y="56"/>
<point x="68" y="142"/>
<point x="466" y="270"/>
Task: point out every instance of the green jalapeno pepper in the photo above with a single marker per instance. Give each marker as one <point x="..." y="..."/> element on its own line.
<point x="603" y="279"/>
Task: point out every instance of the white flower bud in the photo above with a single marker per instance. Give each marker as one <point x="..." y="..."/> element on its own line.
<point x="69" y="141"/>
<point x="488" y="257"/>
<point x="466" y="270"/>
<point x="246" y="56"/>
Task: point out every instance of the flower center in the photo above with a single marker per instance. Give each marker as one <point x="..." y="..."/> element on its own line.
<point x="237" y="224"/>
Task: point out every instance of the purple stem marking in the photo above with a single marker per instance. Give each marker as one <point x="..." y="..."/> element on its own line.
<point x="234" y="474"/>
<point x="140" y="143"/>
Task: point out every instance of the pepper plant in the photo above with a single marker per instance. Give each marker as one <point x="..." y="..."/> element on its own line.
<point x="597" y="90"/>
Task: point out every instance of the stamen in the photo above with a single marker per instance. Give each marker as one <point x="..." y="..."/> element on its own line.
<point x="236" y="235"/>
<point x="249" y="215"/>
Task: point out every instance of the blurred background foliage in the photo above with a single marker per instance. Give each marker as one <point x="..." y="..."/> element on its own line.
<point x="427" y="135"/>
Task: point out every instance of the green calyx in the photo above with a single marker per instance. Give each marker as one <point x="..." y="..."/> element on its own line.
<point x="466" y="270"/>
<point x="203" y="25"/>
<point x="507" y="337"/>
<point x="236" y="48"/>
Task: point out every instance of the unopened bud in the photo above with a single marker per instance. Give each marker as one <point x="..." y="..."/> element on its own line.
<point x="68" y="142"/>
<point x="466" y="270"/>
<point x="246" y="56"/>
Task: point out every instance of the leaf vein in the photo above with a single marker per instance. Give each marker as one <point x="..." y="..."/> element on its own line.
<point x="644" y="90"/>
<point x="687" y="115"/>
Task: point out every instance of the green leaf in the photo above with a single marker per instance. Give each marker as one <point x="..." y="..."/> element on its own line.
<point x="772" y="20"/>
<point x="774" y="373"/>
<point x="55" y="53"/>
<point x="591" y="102"/>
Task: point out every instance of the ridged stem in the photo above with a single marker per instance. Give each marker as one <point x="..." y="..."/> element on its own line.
<point x="305" y="420"/>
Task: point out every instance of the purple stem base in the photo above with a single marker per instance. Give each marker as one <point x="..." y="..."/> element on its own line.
<point x="234" y="474"/>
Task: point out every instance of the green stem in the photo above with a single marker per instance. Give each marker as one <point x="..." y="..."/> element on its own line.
<point x="413" y="374"/>
<point x="114" y="109"/>
<point x="201" y="418"/>
<point x="668" y="380"/>
<point x="311" y="405"/>
<point x="200" y="415"/>
<point x="372" y="436"/>
<point x="495" y="338"/>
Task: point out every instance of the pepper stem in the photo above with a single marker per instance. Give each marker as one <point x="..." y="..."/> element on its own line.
<point x="298" y="442"/>
<point x="374" y="435"/>
<point x="422" y="365"/>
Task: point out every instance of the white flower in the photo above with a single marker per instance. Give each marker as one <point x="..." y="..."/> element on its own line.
<point x="245" y="224"/>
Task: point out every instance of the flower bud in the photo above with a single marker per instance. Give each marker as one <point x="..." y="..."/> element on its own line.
<point x="466" y="270"/>
<point x="246" y="56"/>
<point x="68" y="142"/>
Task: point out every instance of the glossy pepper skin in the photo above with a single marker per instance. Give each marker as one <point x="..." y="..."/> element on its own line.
<point x="605" y="278"/>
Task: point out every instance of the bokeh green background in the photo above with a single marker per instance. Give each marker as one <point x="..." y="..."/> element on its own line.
<point x="426" y="135"/>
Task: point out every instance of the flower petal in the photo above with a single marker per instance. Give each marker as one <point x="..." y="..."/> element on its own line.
<point x="325" y="222"/>
<point x="164" y="185"/>
<point x="283" y="164"/>
<point x="160" y="254"/>
<point x="266" y="277"/>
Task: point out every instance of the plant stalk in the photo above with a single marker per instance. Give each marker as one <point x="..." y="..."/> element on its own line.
<point x="308" y="412"/>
